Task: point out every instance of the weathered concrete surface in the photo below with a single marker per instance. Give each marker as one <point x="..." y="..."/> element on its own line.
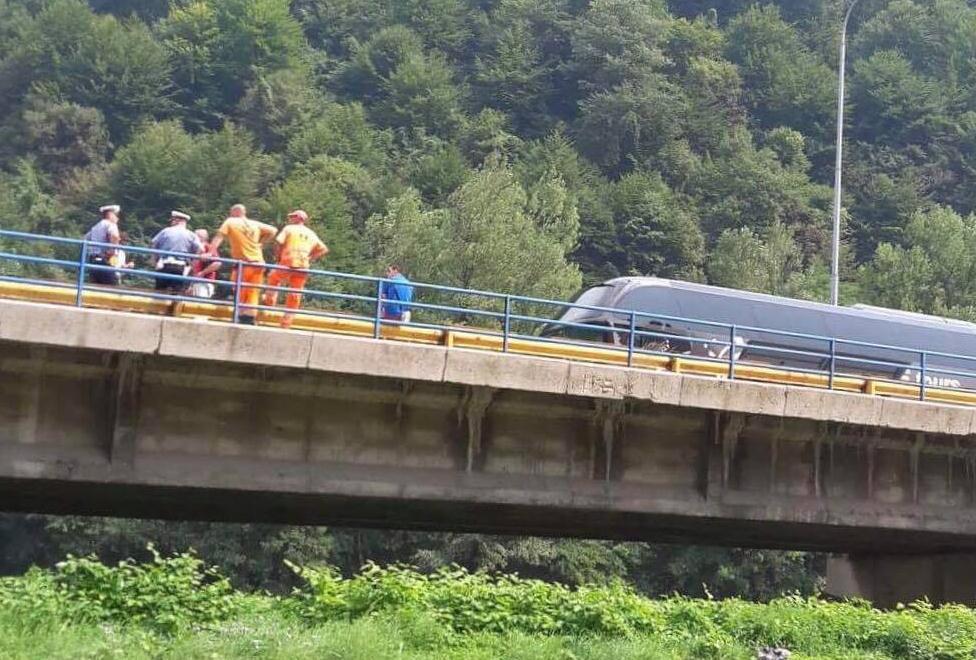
<point x="109" y="413"/>
<point x="890" y="580"/>
<point x="133" y="333"/>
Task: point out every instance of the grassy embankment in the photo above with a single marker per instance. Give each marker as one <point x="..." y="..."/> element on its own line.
<point x="175" y="608"/>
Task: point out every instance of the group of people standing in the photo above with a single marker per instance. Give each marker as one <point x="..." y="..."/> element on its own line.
<point x="296" y="246"/>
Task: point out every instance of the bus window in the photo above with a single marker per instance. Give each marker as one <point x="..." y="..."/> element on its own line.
<point x="586" y="334"/>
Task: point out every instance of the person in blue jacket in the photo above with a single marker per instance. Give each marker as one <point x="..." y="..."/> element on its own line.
<point x="396" y="290"/>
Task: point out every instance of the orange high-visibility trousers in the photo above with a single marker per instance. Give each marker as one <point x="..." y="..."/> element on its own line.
<point x="248" y="296"/>
<point x="288" y="279"/>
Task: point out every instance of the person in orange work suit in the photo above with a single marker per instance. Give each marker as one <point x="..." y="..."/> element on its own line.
<point x="296" y="246"/>
<point x="245" y="237"/>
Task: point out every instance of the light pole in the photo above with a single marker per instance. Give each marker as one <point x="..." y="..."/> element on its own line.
<point x="838" y="168"/>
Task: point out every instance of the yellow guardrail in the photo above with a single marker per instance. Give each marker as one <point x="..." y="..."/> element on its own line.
<point x="472" y="338"/>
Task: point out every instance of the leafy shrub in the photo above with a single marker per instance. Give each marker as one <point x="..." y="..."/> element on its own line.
<point x="168" y="593"/>
<point x="477" y="602"/>
<point x="472" y="603"/>
<point x="454" y="609"/>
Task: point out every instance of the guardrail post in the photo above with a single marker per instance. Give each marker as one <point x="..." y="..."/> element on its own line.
<point x="379" y="309"/>
<point x="833" y="364"/>
<point x="921" y="379"/>
<point x="630" y="339"/>
<point x="508" y="323"/>
<point x="80" y="297"/>
<point x="732" y="353"/>
<point x="238" y="278"/>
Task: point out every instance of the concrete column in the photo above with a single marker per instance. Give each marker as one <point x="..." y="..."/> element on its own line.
<point x="887" y="580"/>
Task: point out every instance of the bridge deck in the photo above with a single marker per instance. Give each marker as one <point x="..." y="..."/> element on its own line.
<point x="131" y="414"/>
<point x="477" y="339"/>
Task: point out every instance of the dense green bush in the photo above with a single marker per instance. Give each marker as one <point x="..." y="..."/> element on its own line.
<point x="471" y="603"/>
<point x="168" y="593"/>
<point x="450" y="612"/>
<point x="477" y="602"/>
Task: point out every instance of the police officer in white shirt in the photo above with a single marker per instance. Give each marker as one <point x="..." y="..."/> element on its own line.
<point x="105" y="233"/>
<point x="178" y="241"/>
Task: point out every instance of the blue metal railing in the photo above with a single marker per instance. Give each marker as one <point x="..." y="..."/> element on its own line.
<point x="506" y="316"/>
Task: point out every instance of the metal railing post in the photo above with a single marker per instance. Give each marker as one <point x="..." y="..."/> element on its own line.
<point x="732" y="353"/>
<point x="507" y="330"/>
<point x="630" y="339"/>
<point x="377" y="320"/>
<point x="833" y="364"/>
<point x="921" y="379"/>
<point x="238" y="278"/>
<point x="80" y="296"/>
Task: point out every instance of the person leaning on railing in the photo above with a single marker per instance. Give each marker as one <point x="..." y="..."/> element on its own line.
<point x="296" y="247"/>
<point x="397" y="289"/>
<point x="106" y="230"/>
<point x="245" y="237"/>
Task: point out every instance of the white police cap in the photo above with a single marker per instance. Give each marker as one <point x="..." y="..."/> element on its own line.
<point x="114" y="208"/>
<point x="179" y="215"/>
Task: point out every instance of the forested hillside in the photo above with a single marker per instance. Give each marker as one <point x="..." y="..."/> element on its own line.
<point x="528" y="146"/>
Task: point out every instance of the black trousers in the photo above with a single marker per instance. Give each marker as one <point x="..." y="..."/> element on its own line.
<point x="173" y="283"/>
<point x="99" y="276"/>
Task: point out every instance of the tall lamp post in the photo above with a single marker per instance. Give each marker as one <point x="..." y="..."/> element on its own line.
<point x="838" y="169"/>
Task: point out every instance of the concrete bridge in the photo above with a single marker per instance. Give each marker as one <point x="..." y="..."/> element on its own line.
<point x="133" y="415"/>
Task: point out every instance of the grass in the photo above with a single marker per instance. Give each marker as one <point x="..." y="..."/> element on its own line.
<point x="178" y="608"/>
<point x="273" y="636"/>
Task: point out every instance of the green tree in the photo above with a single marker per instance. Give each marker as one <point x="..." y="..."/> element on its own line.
<point x="658" y="235"/>
<point x="64" y="137"/>
<point x="629" y="125"/>
<point x="515" y="77"/>
<point x="438" y="173"/>
<point x="147" y="10"/>
<point x="485" y="238"/>
<point x="742" y="186"/>
<point x="691" y="40"/>
<point x="933" y="272"/>
<point x="487" y="134"/>
<point x="67" y="53"/>
<point x="899" y="279"/>
<point x="341" y="130"/>
<point x="26" y="203"/>
<point x="220" y="49"/>
<point x="374" y="61"/>
<point x="405" y="88"/>
<point x="335" y="27"/>
<point x="771" y="263"/>
<point x="892" y="102"/>
<point x="714" y="92"/>
<point x="277" y="105"/>
<point x="442" y="24"/>
<point x="785" y="83"/>
<point x="618" y="41"/>
<point x="421" y="94"/>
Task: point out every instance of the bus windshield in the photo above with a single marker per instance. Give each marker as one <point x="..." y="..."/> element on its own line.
<point x="598" y="296"/>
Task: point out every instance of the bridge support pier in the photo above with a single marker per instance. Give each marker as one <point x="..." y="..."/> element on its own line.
<point x="887" y="580"/>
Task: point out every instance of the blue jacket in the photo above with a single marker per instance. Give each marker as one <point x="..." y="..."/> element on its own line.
<point x="398" y="289"/>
